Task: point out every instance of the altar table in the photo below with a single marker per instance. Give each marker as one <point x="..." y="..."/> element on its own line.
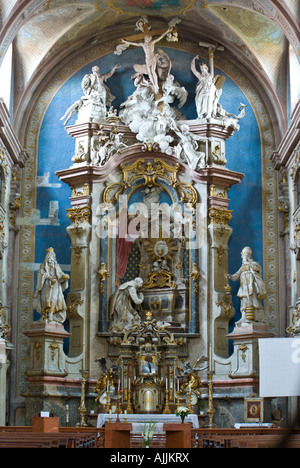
<point x="138" y="420"/>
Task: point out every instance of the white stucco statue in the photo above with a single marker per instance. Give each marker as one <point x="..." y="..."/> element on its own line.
<point x="208" y="90"/>
<point x="97" y="97"/>
<point x="294" y="327"/>
<point x="104" y="146"/>
<point x="187" y="148"/>
<point x="138" y="105"/>
<point x="252" y="288"/>
<point x="151" y="57"/>
<point x="48" y="299"/>
<point x="122" y="308"/>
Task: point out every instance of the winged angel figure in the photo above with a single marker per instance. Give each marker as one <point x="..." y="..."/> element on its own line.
<point x="190" y="374"/>
<point x="108" y="375"/>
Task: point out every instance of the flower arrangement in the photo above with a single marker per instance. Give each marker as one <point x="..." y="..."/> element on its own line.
<point x="148" y="432"/>
<point x="182" y="411"/>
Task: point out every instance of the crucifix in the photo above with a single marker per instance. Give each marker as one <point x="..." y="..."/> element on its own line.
<point x="211" y="50"/>
<point x="148" y="39"/>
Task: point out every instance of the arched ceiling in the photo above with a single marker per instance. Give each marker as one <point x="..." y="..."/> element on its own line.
<point x="256" y="34"/>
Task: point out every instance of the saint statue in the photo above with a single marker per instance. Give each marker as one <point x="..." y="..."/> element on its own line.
<point x="294" y="328"/>
<point x="208" y="90"/>
<point x="123" y="302"/>
<point x="48" y="299"/>
<point x="252" y="288"/>
<point x="95" y="92"/>
<point x="94" y="86"/>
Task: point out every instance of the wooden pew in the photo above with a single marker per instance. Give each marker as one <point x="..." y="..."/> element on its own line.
<point x="95" y="434"/>
<point x="19" y="436"/>
<point x="49" y="440"/>
<point x="223" y="438"/>
<point x="264" y="441"/>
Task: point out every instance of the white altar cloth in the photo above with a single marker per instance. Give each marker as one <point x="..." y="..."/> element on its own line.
<point x="138" y="420"/>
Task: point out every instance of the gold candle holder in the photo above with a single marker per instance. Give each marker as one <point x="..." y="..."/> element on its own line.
<point x="167" y="409"/>
<point x="118" y="406"/>
<point x="82" y="409"/>
<point x="211" y="411"/>
<point x="107" y="406"/>
<point x="177" y="398"/>
<point x="190" y="403"/>
<point x="129" y="409"/>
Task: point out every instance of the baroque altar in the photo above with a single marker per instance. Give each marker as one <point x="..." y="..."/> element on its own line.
<point x="149" y="290"/>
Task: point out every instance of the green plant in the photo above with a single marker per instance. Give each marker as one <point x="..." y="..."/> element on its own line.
<point x="148" y="432"/>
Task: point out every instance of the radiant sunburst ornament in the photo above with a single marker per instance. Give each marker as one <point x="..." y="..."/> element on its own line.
<point x="161" y="249"/>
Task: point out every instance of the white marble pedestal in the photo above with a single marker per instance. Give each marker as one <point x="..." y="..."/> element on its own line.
<point x="245" y="362"/>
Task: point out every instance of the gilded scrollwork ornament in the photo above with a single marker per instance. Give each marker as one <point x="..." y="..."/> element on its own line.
<point x="150" y="172"/>
<point x="79" y="215"/>
<point x="103" y="273"/>
<point x="220" y="216"/>
<point x="195" y="275"/>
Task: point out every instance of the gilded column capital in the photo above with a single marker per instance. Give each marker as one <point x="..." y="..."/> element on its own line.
<point x="219" y="216"/>
<point x="79" y="215"/>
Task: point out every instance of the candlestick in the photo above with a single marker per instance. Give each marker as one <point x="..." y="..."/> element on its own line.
<point x="129" y="409"/>
<point x="82" y="408"/>
<point x="190" y="401"/>
<point x="211" y="411"/>
<point x="67" y="415"/>
<point x="118" y="406"/>
<point x="177" y="402"/>
<point x="107" y="399"/>
<point x="167" y="409"/>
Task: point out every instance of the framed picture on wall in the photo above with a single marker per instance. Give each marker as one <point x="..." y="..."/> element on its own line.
<point x="254" y="409"/>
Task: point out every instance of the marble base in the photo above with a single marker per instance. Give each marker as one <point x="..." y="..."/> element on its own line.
<point x="245" y="359"/>
<point x="46" y="355"/>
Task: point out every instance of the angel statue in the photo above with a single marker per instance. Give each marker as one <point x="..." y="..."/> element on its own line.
<point x="106" y="380"/>
<point x="96" y="93"/>
<point x="190" y="374"/>
<point x="187" y="148"/>
<point x="48" y="299"/>
<point x="122" y="307"/>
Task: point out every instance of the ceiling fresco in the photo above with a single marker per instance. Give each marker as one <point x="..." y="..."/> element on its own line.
<point x="44" y="33"/>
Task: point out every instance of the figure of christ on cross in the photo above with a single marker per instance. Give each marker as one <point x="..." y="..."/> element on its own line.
<point x="148" y="45"/>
